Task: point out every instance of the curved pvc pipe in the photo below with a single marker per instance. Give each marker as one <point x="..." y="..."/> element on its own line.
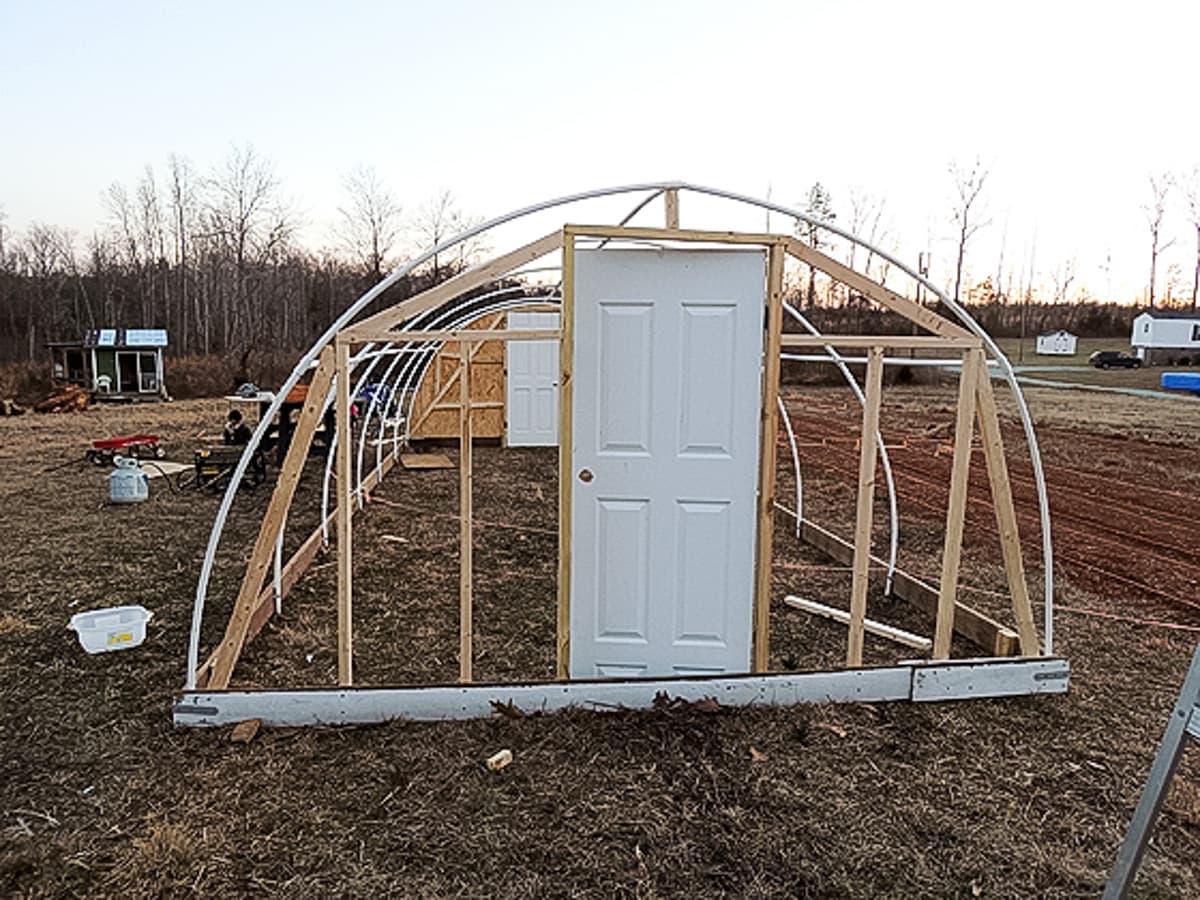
<point x="884" y="459"/>
<point x="348" y="314"/>
<point x="374" y="402"/>
<point x="418" y="364"/>
<point x="391" y="394"/>
<point x="787" y="422"/>
<point x="419" y="350"/>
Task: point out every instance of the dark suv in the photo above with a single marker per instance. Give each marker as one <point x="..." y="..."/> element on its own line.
<point x="1114" y="359"/>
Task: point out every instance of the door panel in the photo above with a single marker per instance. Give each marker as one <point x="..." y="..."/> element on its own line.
<point x="622" y="585"/>
<point x="532" y="379"/>
<point x="666" y="409"/>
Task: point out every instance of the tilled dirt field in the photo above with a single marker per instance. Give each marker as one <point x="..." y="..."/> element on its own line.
<point x="1013" y="798"/>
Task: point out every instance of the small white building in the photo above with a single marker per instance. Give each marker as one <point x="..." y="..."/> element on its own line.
<point x="1167" y="337"/>
<point x="1056" y="343"/>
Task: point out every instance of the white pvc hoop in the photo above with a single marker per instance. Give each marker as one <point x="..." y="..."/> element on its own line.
<point x="655" y="188"/>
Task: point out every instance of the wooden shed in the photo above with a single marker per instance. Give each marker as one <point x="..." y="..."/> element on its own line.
<point x="435" y="410"/>
<point x="513" y="387"/>
<point x="119" y="364"/>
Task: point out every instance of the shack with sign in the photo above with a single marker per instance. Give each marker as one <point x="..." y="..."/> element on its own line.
<point x="117" y="364"/>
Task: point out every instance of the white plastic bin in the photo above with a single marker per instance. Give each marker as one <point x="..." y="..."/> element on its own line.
<point x="114" y="628"/>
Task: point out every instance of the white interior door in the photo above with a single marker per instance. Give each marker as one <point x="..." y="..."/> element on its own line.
<point x="666" y="411"/>
<point x="533" y="369"/>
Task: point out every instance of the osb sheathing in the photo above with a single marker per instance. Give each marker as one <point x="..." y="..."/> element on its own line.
<point x="436" y="410"/>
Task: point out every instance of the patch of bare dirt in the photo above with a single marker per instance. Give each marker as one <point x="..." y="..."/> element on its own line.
<point x="102" y="797"/>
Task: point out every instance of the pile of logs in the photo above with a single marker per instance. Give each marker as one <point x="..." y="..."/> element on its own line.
<point x="68" y="399"/>
<point x="10" y="407"/>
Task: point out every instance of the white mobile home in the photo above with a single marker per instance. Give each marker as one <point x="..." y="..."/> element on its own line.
<point x="1056" y="343"/>
<point x="1167" y="337"/>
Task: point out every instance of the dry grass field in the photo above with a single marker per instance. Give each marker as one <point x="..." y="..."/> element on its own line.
<point x="1001" y="798"/>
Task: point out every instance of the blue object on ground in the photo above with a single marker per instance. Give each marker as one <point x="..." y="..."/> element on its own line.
<point x="1181" y="381"/>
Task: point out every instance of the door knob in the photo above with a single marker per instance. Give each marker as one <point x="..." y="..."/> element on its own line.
<point x="586" y="476"/>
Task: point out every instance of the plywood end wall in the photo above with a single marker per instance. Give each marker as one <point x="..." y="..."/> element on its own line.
<point x="436" y="409"/>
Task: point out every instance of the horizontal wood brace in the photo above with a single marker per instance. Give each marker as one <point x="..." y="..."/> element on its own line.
<point x="897" y="341"/>
<point x="614" y="232"/>
<point x="475" y="335"/>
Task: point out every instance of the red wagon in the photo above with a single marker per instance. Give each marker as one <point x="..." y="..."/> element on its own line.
<point x="139" y="446"/>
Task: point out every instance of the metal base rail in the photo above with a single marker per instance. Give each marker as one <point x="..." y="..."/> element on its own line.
<point x="918" y="681"/>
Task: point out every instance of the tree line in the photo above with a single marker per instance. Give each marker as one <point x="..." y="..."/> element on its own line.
<point x="213" y="257"/>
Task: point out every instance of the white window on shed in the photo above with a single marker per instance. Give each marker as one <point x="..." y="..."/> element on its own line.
<point x="1196" y="332"/>
<point x="1145" y="328"/>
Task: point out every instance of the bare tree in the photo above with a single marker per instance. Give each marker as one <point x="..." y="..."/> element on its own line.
<point x="152" y="238"/>
<point x="43" y="255"/>
<point x="866" y="221"/>
<point x="370" y="221"/>
<point x="1189" y="186"/>
<point x="968" y="186"/>
<point x="819" y="206"/>
<point x="1001" y="293"/>
<point x="248" y="219"/>
<point x="122" y="220"/>
<point x="1155" y="210"/>
<point x="439" y="219"/>
<point x="1063" y="276"/>
<point x="182" y="203"/>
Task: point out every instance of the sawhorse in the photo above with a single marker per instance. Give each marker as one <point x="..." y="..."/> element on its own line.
<point x="1184" y="724"/>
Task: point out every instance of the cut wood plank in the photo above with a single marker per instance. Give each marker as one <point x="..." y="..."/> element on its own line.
<point x="566" y="391"/>
<point x="865" y="507"/>
<point x="466" y="541"/>
<point x="477" y="336"/>
<point x="980" y="629"/>
<point x="453" y="287"/>
<point x="161" y="467"/>
<point x="1006" y="514"/>
<point x="879" y="629"/>
<point x="896" y="341"/>
<point x="685" y="235"/>
<point x="345" y="508"/>
<point x="889" y="299"/>
<point x="769" y="415"/>
<point x="230" y="648"/>
<point x="244" y="731"/>
<point x="956" y="509"/>
<point x="426" y="461"/>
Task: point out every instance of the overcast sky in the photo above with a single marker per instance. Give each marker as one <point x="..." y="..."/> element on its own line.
<point x="1070" y="106"/>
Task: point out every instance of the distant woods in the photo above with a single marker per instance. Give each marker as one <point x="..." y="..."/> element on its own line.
<point x="213" y="257"/>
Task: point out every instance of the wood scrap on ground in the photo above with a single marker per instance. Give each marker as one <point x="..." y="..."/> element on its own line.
<point x="244" y="732"/>
<point x="164" y="467"/>
<point x="426" y="461"/>
<point x="72" y="398"/>
<point x="499" y="760"/>
<point x="11" y="407"/>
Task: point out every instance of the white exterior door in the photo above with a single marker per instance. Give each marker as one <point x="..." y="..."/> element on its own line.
<point x="666" y="413"/>
<point x="533" y="369"/>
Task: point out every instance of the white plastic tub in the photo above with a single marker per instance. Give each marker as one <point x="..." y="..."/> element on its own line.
<point x="114" y="628"/>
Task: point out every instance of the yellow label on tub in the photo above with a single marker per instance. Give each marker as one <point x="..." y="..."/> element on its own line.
<point x="120" y="637"/>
